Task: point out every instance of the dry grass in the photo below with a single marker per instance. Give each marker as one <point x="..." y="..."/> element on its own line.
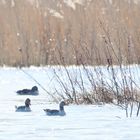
<point x="81" y="36"/>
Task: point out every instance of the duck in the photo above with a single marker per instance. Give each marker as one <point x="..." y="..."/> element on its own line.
<point x="25" y="108"/>
<point x="32" y="91"/>
<point x="54" y="112"/>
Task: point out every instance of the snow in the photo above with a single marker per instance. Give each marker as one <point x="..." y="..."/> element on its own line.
<point x="72" y="3"/>
<point x="82" y="122"/>
<point x="55" y="13"/>
<point x="12" y="3"/>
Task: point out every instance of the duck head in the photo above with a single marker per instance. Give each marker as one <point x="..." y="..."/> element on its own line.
<point x="34" y="88"/>
<point x="61" y="105"/>
<point x="27" y="102"/>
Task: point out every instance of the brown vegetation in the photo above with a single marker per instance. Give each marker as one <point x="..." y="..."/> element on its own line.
<point x="92" y="33"/>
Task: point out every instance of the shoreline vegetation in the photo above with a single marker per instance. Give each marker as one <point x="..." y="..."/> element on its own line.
<point x="50" y="32"/>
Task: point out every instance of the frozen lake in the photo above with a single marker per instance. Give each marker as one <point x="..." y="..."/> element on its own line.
<point x="82" y="122"/>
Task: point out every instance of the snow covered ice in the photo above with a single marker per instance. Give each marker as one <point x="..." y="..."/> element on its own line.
<point x="82" y="122"/>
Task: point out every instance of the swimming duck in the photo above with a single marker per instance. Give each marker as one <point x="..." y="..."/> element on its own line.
<point x="25" y="108"/>
<point x="33" y="91"/>
<point x="54" y="112"/>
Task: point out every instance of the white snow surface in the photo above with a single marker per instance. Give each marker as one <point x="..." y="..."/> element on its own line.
<point x="82" y="122"/>
<point x="55" y="13"/>
<point x="72" y="3"/>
